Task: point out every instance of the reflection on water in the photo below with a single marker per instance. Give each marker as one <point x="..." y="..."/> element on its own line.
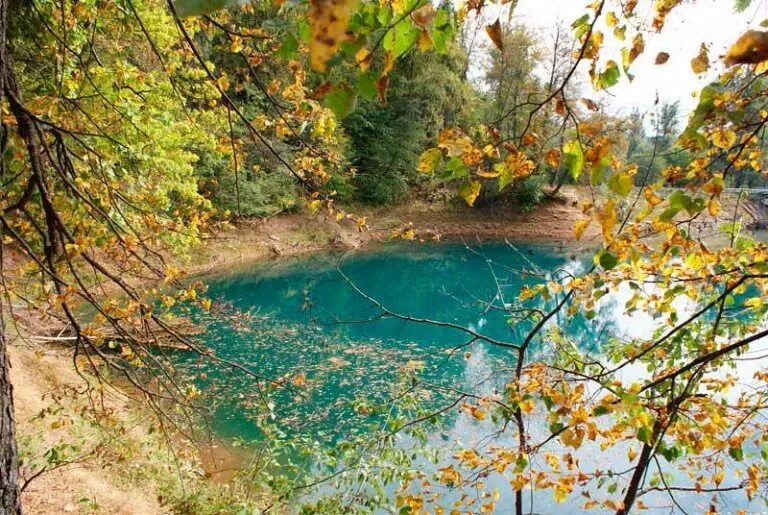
<point x="336" y="356"/>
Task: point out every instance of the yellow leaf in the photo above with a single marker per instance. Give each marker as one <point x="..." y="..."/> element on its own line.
<point x="552" y="158"/>
<point x="607" y="219"/>
<point x="430" y="160"/>
<point x="638" y="46"/>
<point x="328" y="24"/>
<point x="651" y="197"/>
<point x="469" y="191"/>
<point x="560" y="494"/>
<point x="223" y="82"/>
<point x="572" y="437"/>
<point x="364" y="58"/>
<point x="631" y="453"/>
<point x="723" y="138"/>
<point x="425" y="40"/>
<point x="700" y="63"/>
<point x="449" y="476"/>
<point x="314" y="206"/>
<point x="750" y="48"/>
<point x="518" y="482"/>
<point x="494" y="32"/>
<point x="580" y="226"/>
<point x="713" y="206"/>
<point x="529" y="139"/>
<point x="389" y="62"/>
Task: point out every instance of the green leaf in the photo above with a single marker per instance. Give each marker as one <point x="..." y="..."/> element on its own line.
<point x="678" y="200"/>
<point x="366" y="85"/>
<point x="671" y="453"/>
<point x="621" y="184"/>
<point x="341" y="100"/>
<point x="580" y="21"/>
<point x="598" y="171"/>
<point x="737" y="453"/>
<point x="506" y="178"/>
<point x="556" y="427"/>
<point x="608" y="260"/>
<point x="469" y="191"/>
<point x="644" y="434"/>
<point x="401" y="37"/>
<point x="200" y="7"/>
<point x="573" y="158"/>
<point x="305" y="32"/>
<point x="457" y="168"/>
<point x="442" y="30"/>
<point x="288" y="48"/>
<point x="610" y="77"/>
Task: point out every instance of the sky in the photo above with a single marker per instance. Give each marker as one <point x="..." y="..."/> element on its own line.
<point x="713" y="22"/>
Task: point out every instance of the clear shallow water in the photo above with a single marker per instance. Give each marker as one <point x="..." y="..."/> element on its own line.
<point x="331" y="353"/>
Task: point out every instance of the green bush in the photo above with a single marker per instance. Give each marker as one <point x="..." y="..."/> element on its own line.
<point x="528" y="193"/>
<point x="260" y="193"/>
<point x="340" y="188"/>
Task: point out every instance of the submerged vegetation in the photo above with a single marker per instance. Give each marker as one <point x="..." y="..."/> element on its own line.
<point x="134" y="130"/>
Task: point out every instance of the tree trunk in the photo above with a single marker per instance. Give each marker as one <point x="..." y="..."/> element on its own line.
<point x="10" y="497"/>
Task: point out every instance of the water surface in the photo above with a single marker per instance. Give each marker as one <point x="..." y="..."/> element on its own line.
<point x="323" y="328"/>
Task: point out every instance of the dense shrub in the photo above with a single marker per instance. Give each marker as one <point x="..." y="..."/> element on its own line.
<point x="260" y="193"/>
<point x="528" y="193"/>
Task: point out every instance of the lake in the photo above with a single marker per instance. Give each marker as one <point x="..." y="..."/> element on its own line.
<point x="338" y="338"/>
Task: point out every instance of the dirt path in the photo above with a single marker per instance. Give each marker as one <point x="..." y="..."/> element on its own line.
<point x="45" y="420"/>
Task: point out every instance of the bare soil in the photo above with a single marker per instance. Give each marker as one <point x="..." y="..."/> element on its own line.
<point x="89" y="485"/>
<point x="290" y="234"/>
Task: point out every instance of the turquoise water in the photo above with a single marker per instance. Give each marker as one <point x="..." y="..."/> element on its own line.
<point x="312" y="332"/>
<point x="333" y="365"/>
